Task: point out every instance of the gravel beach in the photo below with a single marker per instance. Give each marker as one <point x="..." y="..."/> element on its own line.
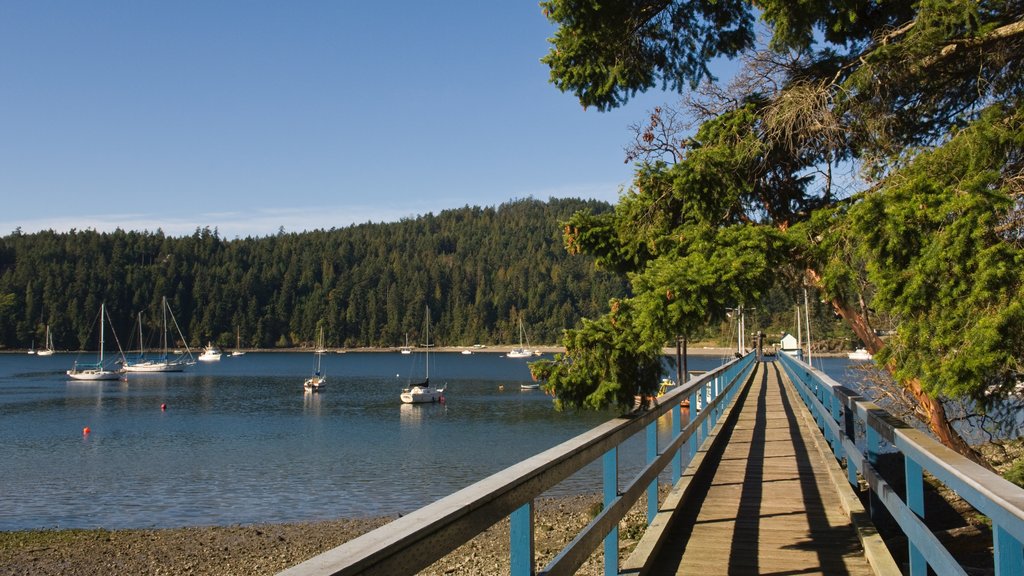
<point x="270" y="548"/>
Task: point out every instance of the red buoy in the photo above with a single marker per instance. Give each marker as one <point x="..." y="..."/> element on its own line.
<point x="85" y="431"/>
<point x="163" y="406"/>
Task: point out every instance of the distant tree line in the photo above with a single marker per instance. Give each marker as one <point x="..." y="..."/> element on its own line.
<point x="477" y="270"/>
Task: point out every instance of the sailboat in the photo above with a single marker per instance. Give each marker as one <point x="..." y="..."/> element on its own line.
<point x="423" y="392"/>
<point x="48" y="351"/>
<point x="162" y="363"/>
<point x="521" y="351"/>
<point x="317" y="381"/>
<point x="95" y="370"/>
<point x="238" y="343"/>
<point x="406" y="349"/>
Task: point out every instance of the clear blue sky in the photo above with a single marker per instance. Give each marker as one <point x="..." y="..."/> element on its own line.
<point x="249" y="116"/>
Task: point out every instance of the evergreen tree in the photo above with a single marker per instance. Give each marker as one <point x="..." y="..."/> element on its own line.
<point x="924" y="98"/>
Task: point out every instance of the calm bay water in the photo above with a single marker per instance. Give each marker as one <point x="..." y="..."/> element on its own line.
<point x="240" y="442"/>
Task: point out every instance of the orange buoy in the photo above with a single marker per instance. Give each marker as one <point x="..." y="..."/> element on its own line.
<point x="85" y="431"/>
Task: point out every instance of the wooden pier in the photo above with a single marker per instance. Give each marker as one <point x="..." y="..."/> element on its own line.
<point x="767" y="503"/>
<point x="764" y="492"/>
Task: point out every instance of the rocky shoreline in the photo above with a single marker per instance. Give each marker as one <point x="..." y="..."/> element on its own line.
<point x="270" y="548"/>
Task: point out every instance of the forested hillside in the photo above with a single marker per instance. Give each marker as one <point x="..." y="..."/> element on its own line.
<point x="477" y="269"/>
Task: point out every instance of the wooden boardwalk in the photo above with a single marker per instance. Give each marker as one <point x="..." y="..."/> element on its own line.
<point x="769" y="506"/>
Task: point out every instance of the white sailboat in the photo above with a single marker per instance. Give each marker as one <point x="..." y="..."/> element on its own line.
<point x="95" y="370"/>
<point x="423" y="392"/>
<point x="317" y="381"/>
<point x="521" y="351"/>
<point x="48" y="351"/>
<point x="406" y="349"/>
<point x="162" y="363"/>
<point x="238" y="343"/>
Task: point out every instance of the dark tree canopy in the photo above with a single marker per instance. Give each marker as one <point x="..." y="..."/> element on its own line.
<point x="478" y="269"/>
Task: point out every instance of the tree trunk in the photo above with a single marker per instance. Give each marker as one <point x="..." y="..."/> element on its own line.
<point x="937" y="421"/>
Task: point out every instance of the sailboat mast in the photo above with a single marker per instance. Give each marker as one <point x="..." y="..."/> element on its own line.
<point x="141" y="348"/>
<point x="163" y="311"/>
<point x="103" y="312"/>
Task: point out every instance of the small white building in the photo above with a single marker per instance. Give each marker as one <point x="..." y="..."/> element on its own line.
<point x="789" y="345"/>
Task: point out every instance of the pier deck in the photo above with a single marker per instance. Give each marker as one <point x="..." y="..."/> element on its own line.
<point x="769" y="506"/>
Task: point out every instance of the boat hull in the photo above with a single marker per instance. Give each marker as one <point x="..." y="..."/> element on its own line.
<point x="210" y="354"/>
<point x="93" y="375"/>
<point x="155" y="367"/>
<point x="418" y="395"/>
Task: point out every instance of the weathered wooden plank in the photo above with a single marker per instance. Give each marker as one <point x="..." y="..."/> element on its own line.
<point x="769" y="506"/>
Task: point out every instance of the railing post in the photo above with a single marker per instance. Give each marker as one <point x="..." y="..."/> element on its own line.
<point x="611" y="492"/>
<point x="521" y="540"/>
<point x="716" y="392"/>
<point x="652" y="455"/>
<point x="836" y="413"/>
<point x="1009" y="553"/>
<point x="694" y="435"/>
<point x="819" y="393"/>
<point x="704" y="423"/>
<point x="915" y="501"/>
<point x="850" y="431"/>
<point x="872" y="443"/>
<point x="677" y="428"/>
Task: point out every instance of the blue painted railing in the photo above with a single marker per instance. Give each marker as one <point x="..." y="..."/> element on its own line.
<point x="416" y="540"/>
<point x="859" y="431"/>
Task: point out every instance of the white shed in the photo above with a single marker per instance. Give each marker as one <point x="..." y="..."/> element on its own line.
<point x="789" y="342"/>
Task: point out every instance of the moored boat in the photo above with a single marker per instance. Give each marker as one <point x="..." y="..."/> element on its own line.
<point x="48" y="351"/>
<point x="423" y="392"/>
<point x="162" y="363"/>
<point x="318" y="380"/>
<point x="238" y="344"/>
<point x="522" y="351"/>
<point x="95" y="370"/>
<point x="860" y="354"/>
<point x="210" y="354"/>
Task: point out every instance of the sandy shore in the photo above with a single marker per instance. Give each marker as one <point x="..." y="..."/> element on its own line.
<point x="270" y="548"/>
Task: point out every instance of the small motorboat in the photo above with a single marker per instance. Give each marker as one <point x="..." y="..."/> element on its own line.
<point x="210" y="354"/>
<point x="859" y="354"/>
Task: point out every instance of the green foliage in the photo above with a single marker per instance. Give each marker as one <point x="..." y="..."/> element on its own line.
<point x="711" y="270"/>
<point x="1016" y="473"/>
<point x="905" y="91"/>
<point x="941" y="257"/>
<point x="368" y="285"/>
<point x="604" y="52"/>
<point x="607" y="362"/>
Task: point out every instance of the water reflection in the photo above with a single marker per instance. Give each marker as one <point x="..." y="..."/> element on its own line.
<point x="311" y="403"/>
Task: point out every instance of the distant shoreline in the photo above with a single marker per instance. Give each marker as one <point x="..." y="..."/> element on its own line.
<point x="486" y="349"/>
